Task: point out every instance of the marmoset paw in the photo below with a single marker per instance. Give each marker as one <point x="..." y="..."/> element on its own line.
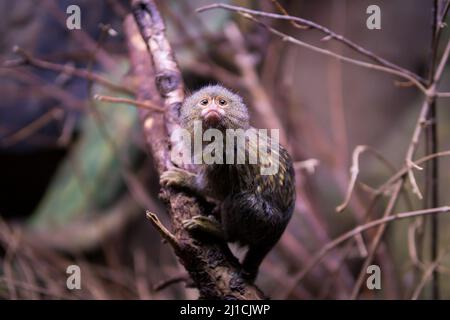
<point x="196" y="223"/>
<point x="175" y="178"/>
<point x="203" y="225"/>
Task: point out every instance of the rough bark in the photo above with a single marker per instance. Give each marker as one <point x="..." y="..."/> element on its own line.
<point x="212" y="267"/>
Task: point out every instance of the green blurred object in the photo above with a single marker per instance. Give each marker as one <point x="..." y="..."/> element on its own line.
<point x="90" y="177"/>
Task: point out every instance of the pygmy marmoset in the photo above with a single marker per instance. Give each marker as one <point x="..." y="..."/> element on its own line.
<point x="254" y="209"/>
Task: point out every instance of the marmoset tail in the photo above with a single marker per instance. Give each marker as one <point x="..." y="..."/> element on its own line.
<point x="254" y="208"/>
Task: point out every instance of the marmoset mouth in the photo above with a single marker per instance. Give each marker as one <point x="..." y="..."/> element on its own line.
<point x="212" y="117"/>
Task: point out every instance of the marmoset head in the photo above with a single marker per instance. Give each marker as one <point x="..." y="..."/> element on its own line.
<point x="216" y="107"/>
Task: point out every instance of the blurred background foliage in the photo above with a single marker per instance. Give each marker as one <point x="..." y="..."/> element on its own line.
<point x="76" y="179"/>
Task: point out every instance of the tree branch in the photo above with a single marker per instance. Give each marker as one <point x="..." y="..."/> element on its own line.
<point x="354" y="232"/>
<point x="212" y="267"/>
<point x="28" y="59"/>
<point x="316" y="26"/>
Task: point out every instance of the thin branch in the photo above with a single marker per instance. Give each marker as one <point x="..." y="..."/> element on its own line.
<point x="35" y="125"/>
<point x="313" y="25"/>
<point x="317" y="258"/>
<point x="27" y="58"/>
<point x="286" y="14"/>
<point x="173" y="280"/>
<point x="37" y="86"/>
<point x="408" y="159"/>
<point x="412" y="247"/>
<point x="308" y="165"/>
<point x="354" y="232"/>
<point x="354" y="171"/>
<point x="444" y="13"/>
<point x="212" y="267"/>
<point x="81" y="37"/>
<point x="141" y="281"/>
<point x="376" y="240"/>
<point x="428" y="92"/>
<point x="246" y="65"/>
<point x="429" y="271"/>
<point x="431" y="146"/>
<point x="400" y="174"/>
<point x="359" y="63"/>
<point x="443" y="62"/>
<point x="422" y="119"/>
<point x="139" y="104"/>
<point x="336" y="96"/>
<point x="165" y="233"/>
<point x="442" y="94"/>
<point x="32" y="288"/>
<point x="288" y="38"/>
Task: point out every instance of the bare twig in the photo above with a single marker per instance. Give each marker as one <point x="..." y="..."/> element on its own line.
<point x="354" y="171"/>
<point x="431" y="146"/>
<point x="65" y="98"/>
<point x="264" y="107"/>
<point x="441" y="66"/>
<point x="32" y="288"/>
<point x="412" y="247"/>
<point x="336" y="93"/>
<point x="352" y="233"/>
<point x="212" y="267"/>
<point x="140" y="271"/>
<point x="27" y="58"/>
<point x="139" y="104"/>
<point x="360" y="63"/>
<point x="391" y="181"/>
<point x="376" y="240"/>
<point x="432" y="268"/>
<point x="313" y="25"/>
<point x="408" y="159"/>
<point x="442" y="94"/>
<point x="81" y="37"/>
<point x="285" y="13"/>
<point x="246" y="64"/>
<point x="28" y="130"/>
<point x="165" y="233"/>
<point x="176" y="279"/>
<point x="403" y="171"/>
<point x="308" y="165"/>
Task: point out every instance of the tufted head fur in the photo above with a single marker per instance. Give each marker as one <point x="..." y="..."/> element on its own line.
<point x="216" y="107"/>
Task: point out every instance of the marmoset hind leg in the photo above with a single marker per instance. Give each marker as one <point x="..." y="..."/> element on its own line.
<point x="202" y="225"/>
<point x="250" y="219"/>
<point x="246" y="217"/>
<point x="258" y="245"/>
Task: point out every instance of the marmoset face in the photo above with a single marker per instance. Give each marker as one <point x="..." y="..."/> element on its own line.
<point x="216" y="107"/>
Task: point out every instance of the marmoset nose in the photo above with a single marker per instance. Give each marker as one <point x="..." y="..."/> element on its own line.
<point x="212" y="114"/>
